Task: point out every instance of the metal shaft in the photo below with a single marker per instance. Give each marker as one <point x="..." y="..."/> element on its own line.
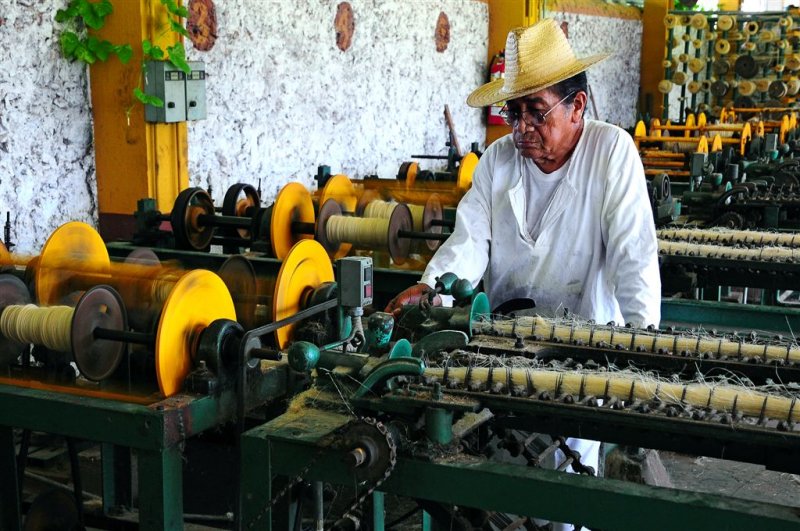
<point x="417" y="235"/>
<point x="140" y="338"/>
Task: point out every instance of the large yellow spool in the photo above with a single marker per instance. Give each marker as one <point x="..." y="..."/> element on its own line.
<point x="696" y="65"/>
<point x="698" y="21"/>
<point x="722" y="47"/>
<point x="726" y="22"/>
<point x="665" y="86"/>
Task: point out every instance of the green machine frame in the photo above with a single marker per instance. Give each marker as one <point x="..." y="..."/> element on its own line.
<point x="286" y="447"/>
<point x="154" y="431"/>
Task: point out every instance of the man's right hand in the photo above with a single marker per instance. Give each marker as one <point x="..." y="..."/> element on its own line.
<point x="411" y="295"/>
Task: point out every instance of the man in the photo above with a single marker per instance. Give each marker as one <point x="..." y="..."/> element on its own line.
<point x="558" y="210"/>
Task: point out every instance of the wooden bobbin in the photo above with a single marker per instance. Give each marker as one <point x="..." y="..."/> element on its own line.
<point x="12" y="292"/>
<point x="399" y="221"/>
<point x="726" y="22"/>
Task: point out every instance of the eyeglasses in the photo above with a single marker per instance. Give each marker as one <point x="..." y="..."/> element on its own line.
<point x="535" y="118"/>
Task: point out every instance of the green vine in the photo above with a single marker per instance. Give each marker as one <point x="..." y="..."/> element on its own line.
<point x="77" y="44"/>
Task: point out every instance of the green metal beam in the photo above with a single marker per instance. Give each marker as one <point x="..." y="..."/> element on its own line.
<point x="594" y="502"/>
<point x="160" y="490"/>
<point x="729" y="315"/>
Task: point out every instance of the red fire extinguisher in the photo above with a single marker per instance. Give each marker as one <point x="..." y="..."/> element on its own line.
<point x="496" y="71"/>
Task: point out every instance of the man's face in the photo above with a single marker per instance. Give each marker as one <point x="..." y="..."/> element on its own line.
<point x="550" y="140"/>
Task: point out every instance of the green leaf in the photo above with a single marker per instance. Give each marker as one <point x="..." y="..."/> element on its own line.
<point x="151" y="50"/>
<point x="103" y="8"/>
<point x="63" y="15"/>
<point x="102" y="49"/>
<point x="155" y="101"/>
<point x="91" y="19"/>
<point x="124" y="52"/>
<point x="69" y="43"/>
<point x="83" y="53"/>
<point x="173" y="7"/>
<point x="177" y="56"/>
<point x="178" y="28"/>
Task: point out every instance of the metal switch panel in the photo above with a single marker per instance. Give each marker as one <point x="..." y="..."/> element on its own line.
<point x="165" y="81"/>
<point x="196" y="91"/>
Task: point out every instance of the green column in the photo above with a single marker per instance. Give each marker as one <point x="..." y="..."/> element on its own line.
<point x="116" y="477"/>
<point x="9" y="491"/>
<point x="160" y="490"/>
<point x="256" y="489"/>
<point x="378" y="512"/>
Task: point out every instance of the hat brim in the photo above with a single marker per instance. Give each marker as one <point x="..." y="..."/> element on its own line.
<point x="493" y="92"/>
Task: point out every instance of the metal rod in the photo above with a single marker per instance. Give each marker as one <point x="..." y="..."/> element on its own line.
<point x="443" y="223"/>
<point x="303" y="227"/>
<point x="140" y="338"/>
<point x="265" y="354"/>
<point x="435" y="157"/>
<point x="227" y="221"/>
<point x="417" y="235"/>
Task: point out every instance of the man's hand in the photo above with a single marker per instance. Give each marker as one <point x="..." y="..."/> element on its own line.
<point x="411" y="295"/>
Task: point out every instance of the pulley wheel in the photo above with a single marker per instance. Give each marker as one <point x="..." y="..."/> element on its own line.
<point x="305" y="267"/>
<point x="99" y="307"/>
<point x="292" y="204"/>
<point x="240" y="198"/>
<point x="189" y="233"/>
<point x="408" y="172"/>
<point x="340" y="189"/>
<point x="400" y="220"/>
<point x="330" y="208"/>
<point x="662" y="186"/>
<point x="465" y="170"/>
<point x="199" y="298"/>
<point x="745" y="66"/>
<point x="239" y="276"/>
<point x="433" y="211"/>
<point x="777" y="89"/>
<point x="5" y="256"/>
<point x="72" y="250"/>
<point x="719" y="88"/>
<point x="12" y="291"/>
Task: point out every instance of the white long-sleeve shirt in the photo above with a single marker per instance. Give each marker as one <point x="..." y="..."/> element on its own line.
<point x="596" y="253"/>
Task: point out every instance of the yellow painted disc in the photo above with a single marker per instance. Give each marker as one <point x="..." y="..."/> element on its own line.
<point x="306" y="267"/>
<point x="701" y="120"/>
<point x="198" y="298"/>
<point x="702" y="145"/>
<point x="5" y="256"/>
<point x="716" y="144"/>
<point x="784" y="129"/>
<point x="465" y="171"/>
<point x="340" y="188"/>
<point x="690" y="125"/>
<point x="641" y="131"/>
<point x="759" y="129"/>
<point x="411" y="174"/>
<point x="745" y="138"/>
<point x="74" y="248"/>
<point x="292" y="204"/>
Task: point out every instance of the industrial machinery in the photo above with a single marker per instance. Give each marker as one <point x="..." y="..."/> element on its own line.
<point x="429" y="419"/>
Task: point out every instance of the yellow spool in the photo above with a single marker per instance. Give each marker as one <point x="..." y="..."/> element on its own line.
<point x="749" y="46"/>
<point x="686" y="37"/>
<point x="698" y="21"/>
<point x="793" y="62"/>
<point x="762" y="85"/>
<point x="670" y="21"/>
<point x="722" y="47"/>
<point x="706" y="84"/>
<point x="680" y="78"/>
<point x="716" y="144"/>
<point x="667" y="64"/>
<point x="710" y="36"/>
<point x="665" y="86"/>
<point x="686" y="20"/>
<point x="465" y="171"/>
<point x="767" y="36"/>
<point x="683" y="58"/>
<point x="696" y="65"/>
<point x="693" y="87"/>
<point x="786" y="22"/>
<point x="747" y="88"/>
<point x="698" y="44"/>
<point x="725" y="22"/>
<point x="783" y="44"/>
<point x="751" y="28"/>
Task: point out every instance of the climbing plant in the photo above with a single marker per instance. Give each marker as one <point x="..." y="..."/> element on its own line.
<point x="78" y="44"/>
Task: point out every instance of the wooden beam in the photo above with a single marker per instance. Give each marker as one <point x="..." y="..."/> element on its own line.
<point x="654" y="38"/>
<point x="134" y="159"/>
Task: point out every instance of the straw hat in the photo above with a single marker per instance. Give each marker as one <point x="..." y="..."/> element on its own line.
<point x="537" y="57"/>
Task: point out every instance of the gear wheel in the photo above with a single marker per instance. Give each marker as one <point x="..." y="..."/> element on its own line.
<point x="730" y="220"/>
<point x="372" y="452"/>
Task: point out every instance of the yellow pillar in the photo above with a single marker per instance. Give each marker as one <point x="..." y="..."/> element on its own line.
<point x="729" y="5"/>
<point x="134" y="159"/>
<point x="654" y="38"/>
<point x="504" y="15"/>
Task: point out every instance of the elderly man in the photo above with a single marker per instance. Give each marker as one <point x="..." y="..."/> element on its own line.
<point x="558" y="210"/>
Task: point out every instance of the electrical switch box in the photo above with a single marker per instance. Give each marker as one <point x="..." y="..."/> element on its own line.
<point x="184" y="96"/>
<point x="196" y="91"/>
<point x="354" y="276"/>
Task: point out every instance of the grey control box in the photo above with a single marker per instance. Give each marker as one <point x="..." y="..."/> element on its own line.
<point x="354" y="277"/>
<point x="184" y="95"/>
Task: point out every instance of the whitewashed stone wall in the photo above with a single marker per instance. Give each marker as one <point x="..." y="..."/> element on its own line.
<point x="614" y="83"/>
<point x="47" y="172"/>
<point x="282" y="98"/>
